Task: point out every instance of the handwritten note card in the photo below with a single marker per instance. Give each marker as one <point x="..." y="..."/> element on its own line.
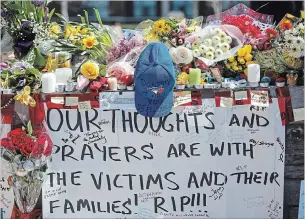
<point x="298" y="114"/>
<point x="71" y="101"/>
<point x="259" y="98"/>
<point x="181" y="98"/>
<point x="241" y="95"/>
<point x="226" y="102"/>
<point x="84" y="106"/>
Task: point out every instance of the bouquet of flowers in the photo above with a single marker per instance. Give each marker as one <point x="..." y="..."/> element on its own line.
<point x="28" y="23"/>
<point x="16" y="75"/>
<point x="85" y="39"/>
<point x="27" y="151"/>
<point x="291" y="41"/>
<point x="171" y="31"/>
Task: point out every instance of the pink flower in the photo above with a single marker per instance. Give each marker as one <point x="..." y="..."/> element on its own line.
<point x="11" y="56"/>
<point x="3" y="66"/>
<point x="119" y="69"/>
<point x="82" y="82"/>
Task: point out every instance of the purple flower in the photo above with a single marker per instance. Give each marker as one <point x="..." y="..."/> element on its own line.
<point x="38" y="3"/>
<point x="45" y="19"/>
<point x="3" y="66"/>
<point x="46" y="10"/>
<point x="4" y="13"/>
<point x="21" y="66"/>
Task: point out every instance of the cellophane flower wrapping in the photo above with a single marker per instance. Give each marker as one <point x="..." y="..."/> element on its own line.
<point x="123" y="56"/>
<point x="231" y="31"/>
<point x="27" y="149"/>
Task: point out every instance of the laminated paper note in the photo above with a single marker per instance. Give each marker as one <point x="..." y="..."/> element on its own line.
<point x="259" y="98"/>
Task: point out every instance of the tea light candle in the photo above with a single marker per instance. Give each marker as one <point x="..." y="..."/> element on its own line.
<point x="63" y="75"/>
<point x="112" y="83"/>
<point x="254" y="74"/>
<point x="48" y="81"/>
<point x="195" y="75"/>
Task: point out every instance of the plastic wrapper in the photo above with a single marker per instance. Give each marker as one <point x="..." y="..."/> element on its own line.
<point x="233" y="32"/>
<point x="123" y="57"/>
<point x="27" y="150"/>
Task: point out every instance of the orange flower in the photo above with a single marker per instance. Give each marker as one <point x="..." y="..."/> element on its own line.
<point x="285" y="24"/>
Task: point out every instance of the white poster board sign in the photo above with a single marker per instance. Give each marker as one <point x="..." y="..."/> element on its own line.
<point x="217" y="163"/>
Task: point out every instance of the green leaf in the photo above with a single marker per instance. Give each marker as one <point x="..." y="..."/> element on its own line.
<point x="86" y="17"/>
<point x="98" y="17"/>
<point x="51" y="14"/>
<point x="14" y="6"/>
<point x="40" y="61"/>
<point x="82" y="19"/>
<point x="29" y="127"/>
<point x="61" y="17"/>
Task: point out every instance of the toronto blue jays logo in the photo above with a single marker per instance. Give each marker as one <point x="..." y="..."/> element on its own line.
<point x="156" y="90"/>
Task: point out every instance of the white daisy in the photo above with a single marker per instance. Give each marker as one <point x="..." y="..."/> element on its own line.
<point x="216" y="31"/>
<point x="228" y="39"/>
<point x="288" y="38"/>
<point x="299" y="41"/>
<point x="196" y="53"/>
<point x="218" y="46"/>
<point x="295" y="52"/>
<point x="222" y="35"/>
<point x="225" y="47"/>
<point x="216" y="40"/>
<point x="207" y="42"/>
<point x="210" y="55"/>
<point x="218" y="52"/>
<point x="203" y="48"/>
<point x="211" y="49"/>
<point x="300" y="27"/>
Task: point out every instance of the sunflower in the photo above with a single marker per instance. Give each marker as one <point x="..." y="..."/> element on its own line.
<point x="89" y="42"/>
<point x="159" y="26"/>
<point x="167" y="29"/>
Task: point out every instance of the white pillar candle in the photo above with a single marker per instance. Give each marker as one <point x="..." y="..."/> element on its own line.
<point x="254" y="74"/>
<point x="112" y="83"/>
<point x="48" y="81"/>
<point x="63" y="75"/>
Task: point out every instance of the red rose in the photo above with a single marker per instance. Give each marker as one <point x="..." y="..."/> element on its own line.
<point x="17" y="137"/>
<point x="27" y="146"/>
<point x="8" y="144"/>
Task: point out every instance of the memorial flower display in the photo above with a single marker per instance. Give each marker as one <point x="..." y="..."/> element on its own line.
<point x="28" y="23"/>
<point x="27" y="150"/>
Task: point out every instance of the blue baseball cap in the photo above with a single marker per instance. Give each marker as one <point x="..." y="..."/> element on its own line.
<point x="154" y="80"/>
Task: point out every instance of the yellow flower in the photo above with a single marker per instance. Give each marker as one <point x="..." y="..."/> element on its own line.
<point x="71" y="31"/>
<point x="228" y="65"/>
<point x="90" y="70"/>
<point x="234" y="63"/>
<point x="159" y="26"/>
<point x="55" y="29"/>
<point x="84" y="31"/>
<point x="231" y="59"/>
<point x="25" y="98"/>
<point x="248" y="49"/>
<point x="240" y="68"/>
<point x="167" y="29"/>
<point x="241" y="60"/>
<point x="202" y="81"/>
<point x="250" y="62"/>
<point x="246" y="72"/>
<point x="235" y="68"/>
<point x="89" y="42"/>
<point x="248" y="57"/>
<point x="241" y="52"/>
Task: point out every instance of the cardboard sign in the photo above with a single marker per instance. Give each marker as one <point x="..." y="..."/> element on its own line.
<point x="259" y="98"/>
<point x="218" y="163"/>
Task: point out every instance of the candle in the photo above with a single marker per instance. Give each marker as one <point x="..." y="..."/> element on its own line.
<point x="254" y="74"/>
<point x="63" y="75"/>
<point x="112" y="83"/>
<point x="195" y="75"/>
<point x="48" y="81"/>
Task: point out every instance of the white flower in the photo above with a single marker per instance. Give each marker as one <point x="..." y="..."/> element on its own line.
<point x="216" y="40"/>
<point x="295" y="52"/>
<point x="204" y="54"/>
<point x="196" y="53"/>
<point x="228" y="39"/>
<point x="288" y="38"/>
<point x="210" y="55"/>
<point x="203" y="48"/>
<point x="207" y="42"/>
<point x="195" y="44"/>
<point x="222" y="35"/>
<point x="300" y="27"/>
<point x="299" y="41"/>
<point x="184" y="55"/>
<point x="218" y="52"/>
<point x="218" y="46"/>
<point x="199" y="39"/>
<point x="174" y="56"/>
<point x="288" y="32"/>
<point x="225" y="47"/>
<point x="216" y="31"/>
<point x="211" y="49"/>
